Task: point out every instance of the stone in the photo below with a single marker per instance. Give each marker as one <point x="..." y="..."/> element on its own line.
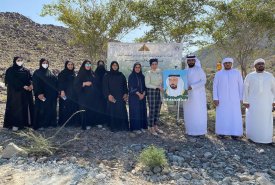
<point x="244" y="178"/>
<point x="12" y="150"/>
<point x="273" y="167"/>
<point x="187" y="175"/>
<point x="157" y="169"/>
<point x="227" y="180"/>
<point x="41" y="160"/>
<point x="132" y="135"/>
<point x="1" y="149"/>
<point x="263" y="181"/>
<point x="100" y="176"/>
<point x="236" y="157"/>
<point x="207" y="155"/>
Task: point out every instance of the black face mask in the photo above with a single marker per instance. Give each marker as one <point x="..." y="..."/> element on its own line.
<point x="191" y="65"/>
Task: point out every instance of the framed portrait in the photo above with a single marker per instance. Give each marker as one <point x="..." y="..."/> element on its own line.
<point x="175" y="85"/>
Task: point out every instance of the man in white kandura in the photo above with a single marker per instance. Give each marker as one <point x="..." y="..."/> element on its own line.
<point x="227" y="96"/>
<point x="195" y="111"/>
<point x="259" y="99"/>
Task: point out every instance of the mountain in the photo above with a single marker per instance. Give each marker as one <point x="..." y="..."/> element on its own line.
<point x="20" y="36"/>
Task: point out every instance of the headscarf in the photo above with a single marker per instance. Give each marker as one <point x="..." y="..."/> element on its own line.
<point x="133" y="71"/>
<point x="40" y="64"/>
<point x="15" y="66"/>
<point x="197" y="61"/>
<point x="66" y="70"/>
<point x="227" y="60"/>
<point x="82" y="71"/>
<point x="111" y="69"/>
<point x="100" y="70"/>
<point x="180" y="87"/>
<point x="100" y="61"/>
<point x="259" y="60"/>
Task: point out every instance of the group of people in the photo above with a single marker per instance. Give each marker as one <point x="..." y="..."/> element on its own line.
<point x="100" y="96"/>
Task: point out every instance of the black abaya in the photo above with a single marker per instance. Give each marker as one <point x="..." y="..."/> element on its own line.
<point x="45" y="82"/>
<point x="19" y="106"/>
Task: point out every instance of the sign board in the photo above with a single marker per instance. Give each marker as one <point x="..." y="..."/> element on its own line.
<point x="169" y="55"/>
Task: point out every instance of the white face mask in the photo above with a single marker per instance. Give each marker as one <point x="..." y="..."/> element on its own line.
<point x="19" y="63"/>
<point x="45" y="66"/>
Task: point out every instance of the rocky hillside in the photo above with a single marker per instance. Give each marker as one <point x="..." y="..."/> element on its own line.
<point x="21" y="36"/>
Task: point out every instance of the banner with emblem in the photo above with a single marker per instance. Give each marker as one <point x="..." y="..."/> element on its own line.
<point x="169" y="55"/>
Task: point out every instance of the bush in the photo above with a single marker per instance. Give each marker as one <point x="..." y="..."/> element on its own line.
<point x="152" y="157"/>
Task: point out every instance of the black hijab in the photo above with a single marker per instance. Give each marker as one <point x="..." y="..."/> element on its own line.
<point x="82" y="71"/>
<point x="68" y="71"/>
<point x="134" y="72"/>
<point x="41" y="62"/>
<point x="114" y="72"/>
<point x="100" y="70"/>
<point x="15" y="66"/>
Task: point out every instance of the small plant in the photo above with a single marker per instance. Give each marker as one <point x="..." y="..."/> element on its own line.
<point x="152" y="157"/>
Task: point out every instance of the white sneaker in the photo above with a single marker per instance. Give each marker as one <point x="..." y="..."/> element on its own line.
<point x="88" y="127"/>
<point x="15" y="129"/>
<point x="138" y="132"/>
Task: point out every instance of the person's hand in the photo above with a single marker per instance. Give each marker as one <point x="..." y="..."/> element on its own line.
<point x="273" y="104"/>
<point x="111" y="99"/>
<point x="125" y="97"/>
<point x="216" y="103"/>
<point x="30" y="88"/>
<point x="26" y="88"/>
<point x="87" y="84"/>
<point x="189" y="88"/>
<point x="142" y="96"/>
<point x="62" y="94"/>
<point x="246" y="105"/>
<point x="161" y="89"/>
<point x="41" y="97"/>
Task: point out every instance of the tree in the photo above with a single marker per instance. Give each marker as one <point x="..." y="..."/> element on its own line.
<point x="171" y="20"/>
<point x="242" y="28"/>
<point x="93" y="23"/>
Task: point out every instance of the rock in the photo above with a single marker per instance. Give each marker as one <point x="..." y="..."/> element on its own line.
<point x="271" y="172"/>
<point x="1" y="149"/>
<point x="227" y="180"/>
<point x="99" y="126"/>
<point x="207" y="155"/>
<point x="193" y="140"/>
<point x="173" y="148"/>
<point x="132" y="135"/>
<point x="263" y="181"/>
<point x="236" y="157"/>
<point x="273" y="167"/>
<point x="13" y="150"/>
<point x="41" y="160"/>
<point x="100" y="176"/>
<point x="72" y="159"/>
<point x="133" y="171"/>
<point x="157" y="169"/>
<point x="244" y="178"/>
<point x="261" y="151"/>
<point x="136" y="147"/>
<point x="187" y="175"/>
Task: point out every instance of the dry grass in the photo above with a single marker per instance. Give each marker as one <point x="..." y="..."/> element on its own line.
<point x="41" y="145"/>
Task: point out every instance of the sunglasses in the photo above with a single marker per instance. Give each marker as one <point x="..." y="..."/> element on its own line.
<point x="88" y="65"/>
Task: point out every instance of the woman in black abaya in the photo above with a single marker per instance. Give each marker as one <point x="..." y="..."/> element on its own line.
<point x="19" y="106"/>
<point x="116" y="92"/>
<point x="87" y="95"/>
<point x="67" y="99"/>
<point x="46" y="93"/>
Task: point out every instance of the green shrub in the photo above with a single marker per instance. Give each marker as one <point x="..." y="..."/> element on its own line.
<point x="152" y="157"/>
